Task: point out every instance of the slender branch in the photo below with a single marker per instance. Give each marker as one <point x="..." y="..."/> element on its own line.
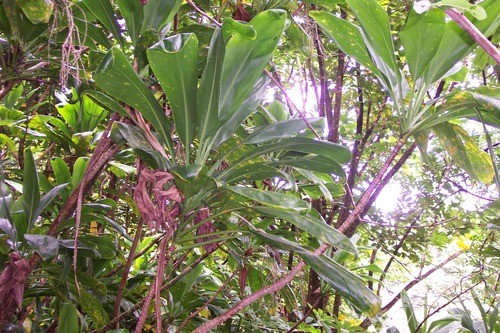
<point x="420" y="278"/>
<point x="304" y="317"/>
<point x="477" y="35"/>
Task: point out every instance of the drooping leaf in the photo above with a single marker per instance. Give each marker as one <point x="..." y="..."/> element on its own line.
<point x="158" y="13"/>
<point x="105" y="101"/>
<point x="280" y="130"/>
<point x="68" y="319"/>
<point x="251" y="172"/>
<point x="46" y="246"/>
<point x="117" y="78"/>
<point x="316" y="163"/>
<point x="465" y="152"/>
<point x="272" y="199"/>
<point x="231" y="27"/>
<point x="410" y="313"/>
<point x="421" y="37"/>
<point x="174" y="61"/>
<point x="317" y="227"/>
<point x="103" y="11"/>
<point x="37" y="11"/>
<point x="49" y="197"/>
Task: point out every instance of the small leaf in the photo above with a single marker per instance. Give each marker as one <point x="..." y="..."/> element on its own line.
<point x="31" y="193"/>
<point x="46" y="246"/>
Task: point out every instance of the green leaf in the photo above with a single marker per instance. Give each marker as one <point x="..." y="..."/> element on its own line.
<point x="37" y="11"/>
<point x="245" y="60"/>
<point x="49" y="197"/>
<point x="456" y="43"/>
<point x="209" y="90"/>
<point x="158" y="13"/>
<point x="79" y="169"/>
<point x="31" y="193"/>
<point x="347" y="36"/>
<point x="68" y="319"/>
<point x="280" y="130"/>
<point x="61" y="170"/>
<point x="410" y="313"/>
<point x="93" y="308"/>
<point x="251" y="172"/>
<point x="374" y="22"/>
<point x="103" y="11"/>
<point x="317" y="227"/>
<point x="117" y="78"/>
<point x="132" y="13"/>
<point x="46" y="246"/>
<point x="465" y="152"/>
<point x="303" y="145"/>
<point x="272" y="199"/>
<point x="174" y="61"/>
<point x="463" y="6"/>
<point x="230" y="27"/>
<point x="421" y="37"/>
<point x="316" y="163"/>
<point x="347" y="284"/>
<point x="106" y="102"/>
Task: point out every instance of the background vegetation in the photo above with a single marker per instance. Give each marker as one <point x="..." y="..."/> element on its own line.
<point x="176" y="166"/>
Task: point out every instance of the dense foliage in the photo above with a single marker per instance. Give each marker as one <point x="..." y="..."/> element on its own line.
<point x="220" y="165"/>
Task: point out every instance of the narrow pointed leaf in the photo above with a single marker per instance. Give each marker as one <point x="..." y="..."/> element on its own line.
<point x="280" y="130"/>
<point x="251" y="172"/>
<point x="347" y="36"/>
<point x="317" y="227"/>
<point x="105" y="102"/>
<point x="31" y="192"/>
<point x="174" y="61"/>
<point x="132" y="13"/>
<point x="117" y="78"/>
<point x="347" y="284"/>
<point x="304" y="145"/>
<point x="245" y="60"/>
<point x="421" y="37"/>
<point x="272" y="199"/>
<point x="209" y="90"/>
<point x="316" y="163"/>
<point x="410" y="313"/>
<point x="103" y="10"/>
<point x="158" y="13"/>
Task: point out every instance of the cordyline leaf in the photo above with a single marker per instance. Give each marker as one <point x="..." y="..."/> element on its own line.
<point x="93" y="308"/>
<point x="272" y="199"/>
<point x="103" y="10"/>
<point x="174" y="61"/>
<point x="349" y="285"/>
<point x="117" y="78"/>
<point x="158" y="13"/>
<point x="132" y="13"/>
<point x="251" y="172"/>
<point x="317" y="227"/>
<point x="245" y="60"/>
<point x="316" y="163"/>
<point x="421" y="37"/>
<point x="410" y="313"/>
<point x="46" y="246"/>
<point x="68" y="319"/>
<point x="465" y="152"/>
<point x="31" y="193"/>
<point x="280" y="130"/>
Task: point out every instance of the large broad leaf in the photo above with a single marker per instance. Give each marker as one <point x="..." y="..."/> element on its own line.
<point x="174" y="61"/>
<point x="347" y="36"/>
<point x="93" y="308"/>
<point x="132" y="13"/>
<point x="252" y="172"/>
<point x="158" y="13"/>
<point x="103" y="10"/>
<point x="280" y="130"/>
<point x="456" y="43"/>
<point x="209" y="90"/>
<point x="68" y="319"/>
<point x="349" y="285"/>
<point x="465" y="152"/>
<point x="245" y="59"/>
<point x="117" y="78"/>
<point x="272" y="199"/>
<point x="421" y="37"/>
<point x="46" y="246"/>
<point x="31" y="193"/>
<point x="317" y="227"/>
